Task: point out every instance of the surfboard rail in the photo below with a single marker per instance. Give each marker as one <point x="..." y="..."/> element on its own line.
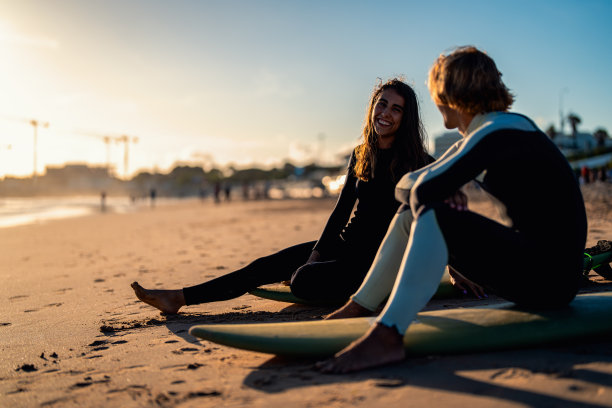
<point x="461" y="330"/>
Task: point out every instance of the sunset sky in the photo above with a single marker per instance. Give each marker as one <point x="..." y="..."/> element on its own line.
<point x="259" y="82"/>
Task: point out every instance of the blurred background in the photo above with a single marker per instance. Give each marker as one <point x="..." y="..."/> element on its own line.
<point x="115" y="102"/>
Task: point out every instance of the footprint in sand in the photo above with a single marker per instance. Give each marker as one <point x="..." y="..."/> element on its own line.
<point x="18" y="297"/>
<point x="28" y="368"/>
<point x="197" y="394"/>
<point x="63" y="290"/>
<point x="511" y="373"/>
<point x="184" y="349"/>
<point x="17" y="391"/>
<point x="387" y="383"/>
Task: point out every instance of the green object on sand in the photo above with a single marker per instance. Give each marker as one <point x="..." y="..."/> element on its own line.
<point x="598" y="258"/>
<point x="437" y="332"/>
<point x="282" y="293"/>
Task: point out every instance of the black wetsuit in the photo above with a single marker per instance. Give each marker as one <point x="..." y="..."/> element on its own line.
<point x="347" y="250"/>
<point x="537" y="261"/>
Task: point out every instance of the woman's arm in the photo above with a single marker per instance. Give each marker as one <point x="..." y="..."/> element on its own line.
<point x="341" y="213"/>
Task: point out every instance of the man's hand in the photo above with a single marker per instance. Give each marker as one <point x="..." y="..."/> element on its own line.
<point x="463" y="284"/>
<point x="458" y="201"/>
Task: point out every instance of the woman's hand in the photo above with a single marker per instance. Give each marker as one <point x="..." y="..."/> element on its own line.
<point x="315" y="256"/>
<point x="463" y="284"/>
<point x="458" y="201"/>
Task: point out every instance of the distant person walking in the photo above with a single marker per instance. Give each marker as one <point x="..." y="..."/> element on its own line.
<point x="228" y="191"/>
<point x="152" y="196"/>
<point x="103" y="201"/>
<point x="334" y="266"/>
<point x="217" y="192"/>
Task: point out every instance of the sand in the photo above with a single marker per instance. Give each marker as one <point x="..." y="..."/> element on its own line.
<point x="73" y="334"/>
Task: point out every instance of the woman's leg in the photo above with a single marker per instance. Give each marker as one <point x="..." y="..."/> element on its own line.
<point x="337" y="279"/>
<point x="273" y="268"/>
<point x="268" y="269"/>
<point x="329" y="281"/>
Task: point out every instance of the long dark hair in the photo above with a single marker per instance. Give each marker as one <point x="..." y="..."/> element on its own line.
<point x="408" y="144"/>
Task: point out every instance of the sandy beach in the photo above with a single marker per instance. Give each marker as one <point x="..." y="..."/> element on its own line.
<point x="72" y="333"/>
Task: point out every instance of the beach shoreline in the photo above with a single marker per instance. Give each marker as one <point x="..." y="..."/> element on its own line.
<point x="72" y="332"/>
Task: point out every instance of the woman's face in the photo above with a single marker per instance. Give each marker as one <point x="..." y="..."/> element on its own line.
<point x="387" y="113"/>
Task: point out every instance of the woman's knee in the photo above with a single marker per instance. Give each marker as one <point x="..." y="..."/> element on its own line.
<point x="325" y="281"/>
<point x="304" y="282"/>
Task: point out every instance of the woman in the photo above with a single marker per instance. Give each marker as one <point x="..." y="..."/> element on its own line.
<point x="333" y="267"/>
<point x="547" y="216"/>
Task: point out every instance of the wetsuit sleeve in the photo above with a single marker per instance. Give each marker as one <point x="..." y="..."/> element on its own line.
<point x="342" y="211"/>
<point x="404" y="186"/>
<point x="489" y="144"/>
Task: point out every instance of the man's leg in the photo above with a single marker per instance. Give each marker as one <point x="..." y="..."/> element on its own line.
<point x="382" y="274"/>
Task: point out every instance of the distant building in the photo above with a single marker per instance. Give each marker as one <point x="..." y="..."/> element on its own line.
<point x="76" y="177"/>
<point x="584" y="141"/>
<point x="443" y="142"/>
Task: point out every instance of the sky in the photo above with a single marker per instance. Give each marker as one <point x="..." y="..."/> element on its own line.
<point x="257" y="82"/>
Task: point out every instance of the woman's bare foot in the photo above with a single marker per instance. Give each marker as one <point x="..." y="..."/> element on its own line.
<point x="168" y="301"/>
<point x="380" y="345"/>
<point x="350" y="309"/>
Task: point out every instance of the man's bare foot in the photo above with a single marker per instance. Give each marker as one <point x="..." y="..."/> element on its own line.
<point x="380" y="345"/>
<point x="350" y="309"/>
<point x="168" y="301"/>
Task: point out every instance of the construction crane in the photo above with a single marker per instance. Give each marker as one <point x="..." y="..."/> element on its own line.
<point x="126" y="143"/>
<point x="35" y="124"/>
<point x="107" y="139"/>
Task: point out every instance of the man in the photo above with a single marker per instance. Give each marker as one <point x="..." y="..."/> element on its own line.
<point x="431" y="230"/>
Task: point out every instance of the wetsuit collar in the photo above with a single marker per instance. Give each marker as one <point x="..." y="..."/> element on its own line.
<point x="478" y="121"/>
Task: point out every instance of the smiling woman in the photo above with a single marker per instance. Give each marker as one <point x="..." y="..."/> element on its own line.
<point x="387" y="116"/>
<point x="333" y="267"/>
